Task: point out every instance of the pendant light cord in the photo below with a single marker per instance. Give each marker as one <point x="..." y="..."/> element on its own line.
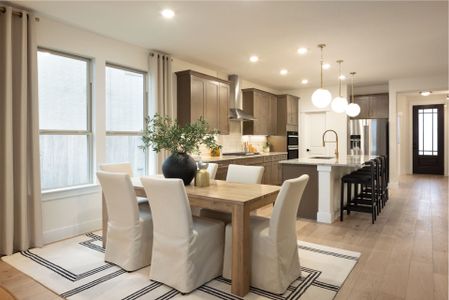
<point x="352" y="86"/>
<point x="321" y="67"/>
<point x="321" y="46"/>
<point x="339" y="78"/>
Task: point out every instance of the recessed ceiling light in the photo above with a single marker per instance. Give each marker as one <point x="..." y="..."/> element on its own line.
<point x="326" y="66"/>
<point x="305" y="81"/>
<point x="168" y="13"/>
<point x="302" y="50"/>
<point x="254" y="58"/>
<point x="284" y="72"/>
<point x="342" y="77"/>
<point x="425" y="93"/>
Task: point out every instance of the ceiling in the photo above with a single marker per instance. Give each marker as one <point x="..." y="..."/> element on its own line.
<point x="378" y="40"/>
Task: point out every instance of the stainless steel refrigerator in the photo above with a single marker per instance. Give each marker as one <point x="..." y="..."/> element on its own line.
<point x="368" y="137"/>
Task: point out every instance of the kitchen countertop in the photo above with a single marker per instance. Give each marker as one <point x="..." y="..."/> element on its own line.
<point x="342" y="161"/>
<point x="234" y="157"/>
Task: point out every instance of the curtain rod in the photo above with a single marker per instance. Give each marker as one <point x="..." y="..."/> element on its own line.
<point x="17" y="13"/>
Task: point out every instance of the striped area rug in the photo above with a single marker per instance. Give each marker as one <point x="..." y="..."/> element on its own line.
<point x="75" y="269"/>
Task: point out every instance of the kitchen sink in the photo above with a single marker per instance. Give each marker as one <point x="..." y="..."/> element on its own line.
<point x="322" y="157"/>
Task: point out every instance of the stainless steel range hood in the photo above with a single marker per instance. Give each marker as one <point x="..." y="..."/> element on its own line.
<point x="235" y="113"/>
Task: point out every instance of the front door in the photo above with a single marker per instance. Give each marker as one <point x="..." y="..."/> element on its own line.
<point x="428" y="139"/>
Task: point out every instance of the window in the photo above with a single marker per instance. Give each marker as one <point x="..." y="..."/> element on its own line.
<point x="428" y="131"/>
<point x="64" y="120"/>
<point x="126" y="109"/>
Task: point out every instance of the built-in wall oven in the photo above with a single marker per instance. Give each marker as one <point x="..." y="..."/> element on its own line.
<point x="292" y="145"/>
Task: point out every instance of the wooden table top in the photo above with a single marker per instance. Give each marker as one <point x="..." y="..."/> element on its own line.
<point x="235" y="193"/>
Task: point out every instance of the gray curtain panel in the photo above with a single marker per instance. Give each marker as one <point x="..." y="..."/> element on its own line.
<point x="161" y="101"/>
<point x="20" y="190"/>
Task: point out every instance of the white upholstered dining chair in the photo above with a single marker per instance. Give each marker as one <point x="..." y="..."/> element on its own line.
<point x="244" y="174"/>
<point x="187" y="252"/>
<point x="130" y="230"/>
<point x="212" y="170"/>
<point x="274" y="249"/>
<point x="124" y="167"/>
<point x="236" y="174"/>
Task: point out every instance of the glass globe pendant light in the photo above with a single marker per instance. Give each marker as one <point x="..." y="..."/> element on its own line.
<point x="339" y="104"/>
<point x="321" y="97"/>
<point x="353" y="109"/>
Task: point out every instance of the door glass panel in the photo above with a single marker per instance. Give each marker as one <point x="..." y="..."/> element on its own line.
<point x="420" y="133"/>
<point x="428" y="131"/>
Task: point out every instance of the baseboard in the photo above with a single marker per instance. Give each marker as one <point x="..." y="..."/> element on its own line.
<point x="71" y="231"/>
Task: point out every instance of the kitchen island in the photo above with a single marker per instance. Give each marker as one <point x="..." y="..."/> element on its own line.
<point x="321" y="198"/>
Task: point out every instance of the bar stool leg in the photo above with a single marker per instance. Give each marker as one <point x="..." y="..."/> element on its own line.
<point x="348" y="197"/>
<point x="342" y="195"/>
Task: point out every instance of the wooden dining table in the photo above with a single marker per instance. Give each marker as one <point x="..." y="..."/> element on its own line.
<point x="239" y="200"/>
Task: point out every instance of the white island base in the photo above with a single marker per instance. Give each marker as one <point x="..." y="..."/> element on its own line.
<point x="325" y="186"/>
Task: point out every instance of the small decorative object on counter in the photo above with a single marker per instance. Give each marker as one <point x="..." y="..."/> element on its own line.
<point x="266" y="147"/>
<point x="215" y="151"/>
<point x="202" y="178"/>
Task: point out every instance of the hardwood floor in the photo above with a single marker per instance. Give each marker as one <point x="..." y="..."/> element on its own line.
<point x="404" y="254"/>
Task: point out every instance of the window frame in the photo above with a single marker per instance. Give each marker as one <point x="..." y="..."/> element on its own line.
<point x="145" y="108"/>
<point x="89" y="131"/>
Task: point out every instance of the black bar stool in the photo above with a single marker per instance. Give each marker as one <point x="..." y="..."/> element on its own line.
<point x="364" y="200"/>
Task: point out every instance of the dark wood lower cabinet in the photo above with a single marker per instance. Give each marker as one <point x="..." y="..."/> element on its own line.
<point x="272" y="169"/>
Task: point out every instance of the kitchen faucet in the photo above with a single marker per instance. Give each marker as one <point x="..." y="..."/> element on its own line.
<point x="336" y="141"/>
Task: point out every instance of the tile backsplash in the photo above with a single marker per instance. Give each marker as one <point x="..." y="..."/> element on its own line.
<point x="234" y="143"/>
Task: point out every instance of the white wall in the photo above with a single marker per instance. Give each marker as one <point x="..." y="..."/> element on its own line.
<point x="405" y="105"/>
<point x="67" y="213"/>
<point x="403" y="85"/>
<point x="335" y="121"/>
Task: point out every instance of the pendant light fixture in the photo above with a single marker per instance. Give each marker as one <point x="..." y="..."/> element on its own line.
<point x="353" y="109"/>
<point x="321" y="97"/>
<point x="339" y="104"/>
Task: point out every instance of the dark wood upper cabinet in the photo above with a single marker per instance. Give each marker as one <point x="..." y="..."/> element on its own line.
<point x="263" y="106"/>
<point x="373" y="106"/>
<point x="201" y="95"/>
<point x="287" y="114"/>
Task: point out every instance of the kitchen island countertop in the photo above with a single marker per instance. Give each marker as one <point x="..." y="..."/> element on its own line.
<point x="343" y="161"/>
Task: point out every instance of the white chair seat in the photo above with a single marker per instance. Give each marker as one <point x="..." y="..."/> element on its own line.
<point x="187" y="252"/>
<point x="274" y="250"/>
<point x="130" y="226"/>
<point x="260" y="228"/>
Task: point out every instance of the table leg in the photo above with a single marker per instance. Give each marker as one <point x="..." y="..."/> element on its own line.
<point x="241" y="252"/>
<point x="104" y="220"/>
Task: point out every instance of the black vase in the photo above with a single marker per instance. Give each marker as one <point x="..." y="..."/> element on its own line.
<point x="179" y="165"/>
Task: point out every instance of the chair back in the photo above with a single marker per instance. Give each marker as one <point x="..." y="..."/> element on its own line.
<point x="172" y="217"/>
<point x="124" y="167"/>
<point x="283" y="219"/>
<point x="245" y="174"/>
<point x="121" y="201"/>
<point x="212" y="170"/>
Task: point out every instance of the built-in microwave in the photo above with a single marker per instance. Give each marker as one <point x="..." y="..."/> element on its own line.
<point x="292" y="138"/>
<point x="292" y="144"/>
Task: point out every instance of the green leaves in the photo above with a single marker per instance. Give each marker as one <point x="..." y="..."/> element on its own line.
<point x="161" y="132"/>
